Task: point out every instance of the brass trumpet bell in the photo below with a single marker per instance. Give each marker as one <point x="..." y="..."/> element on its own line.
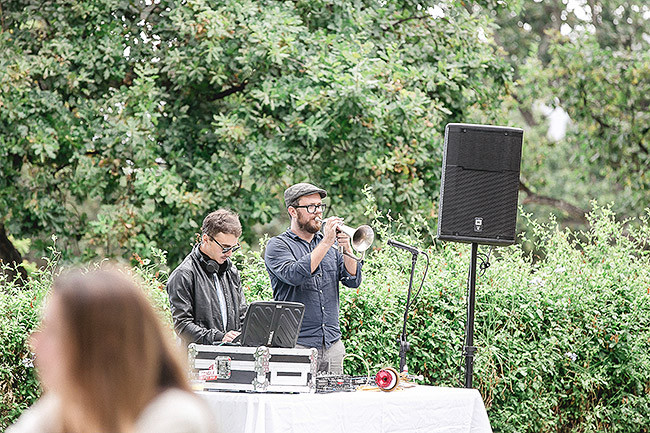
<point x="361" y="239"/>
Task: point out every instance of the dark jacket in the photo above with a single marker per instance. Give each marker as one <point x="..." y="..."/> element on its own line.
<point x="195" y="303"/>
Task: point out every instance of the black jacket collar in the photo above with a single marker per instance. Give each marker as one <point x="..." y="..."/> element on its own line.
<point x="208" y="265"/>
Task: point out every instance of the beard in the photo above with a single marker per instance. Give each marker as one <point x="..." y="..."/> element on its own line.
<point x="309" y="225"/>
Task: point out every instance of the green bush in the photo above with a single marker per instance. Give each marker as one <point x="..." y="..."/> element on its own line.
<point x="19" y="314"/>
<point x="20" y="308"/>
<point x="563" y="341"/>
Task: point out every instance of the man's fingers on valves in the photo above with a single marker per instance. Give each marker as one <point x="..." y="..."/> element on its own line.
<point x="334" y="222"/>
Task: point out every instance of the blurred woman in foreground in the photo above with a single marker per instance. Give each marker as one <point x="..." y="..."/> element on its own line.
<point x="106" y="364"/>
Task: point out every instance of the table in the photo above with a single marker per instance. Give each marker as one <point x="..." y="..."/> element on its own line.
<point x="420" y="409"/>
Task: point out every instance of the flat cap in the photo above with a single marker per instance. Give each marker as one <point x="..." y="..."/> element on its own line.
<point x="296" y="191"/>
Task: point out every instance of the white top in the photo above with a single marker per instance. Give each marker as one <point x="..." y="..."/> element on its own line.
<point x="173" y="411"/>
<point x="222" y="302"/>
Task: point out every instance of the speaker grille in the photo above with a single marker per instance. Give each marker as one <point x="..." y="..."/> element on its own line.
<point x="480" y="184"/>
<point x="491" y="197"/>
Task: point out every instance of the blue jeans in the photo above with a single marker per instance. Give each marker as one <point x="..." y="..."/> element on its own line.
<point x="330" y="360"/>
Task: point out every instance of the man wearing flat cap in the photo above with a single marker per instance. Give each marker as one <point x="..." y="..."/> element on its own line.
<point x="303" y="267"/>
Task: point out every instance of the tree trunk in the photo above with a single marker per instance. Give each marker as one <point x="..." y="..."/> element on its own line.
<point x="9" y="255"/>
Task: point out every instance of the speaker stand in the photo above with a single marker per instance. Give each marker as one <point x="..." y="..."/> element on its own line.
<point x="469" y="349"/>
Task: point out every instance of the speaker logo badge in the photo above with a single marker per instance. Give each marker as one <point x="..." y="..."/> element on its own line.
<point x="478" y="224"/>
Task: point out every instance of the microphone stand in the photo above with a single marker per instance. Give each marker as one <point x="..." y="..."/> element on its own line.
<point x="403" y="344"/>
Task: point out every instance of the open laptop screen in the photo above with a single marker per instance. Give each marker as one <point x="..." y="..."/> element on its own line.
<point x="272" y="324"/>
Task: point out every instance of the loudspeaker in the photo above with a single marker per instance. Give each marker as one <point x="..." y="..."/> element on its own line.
<point x="480" y="184"/>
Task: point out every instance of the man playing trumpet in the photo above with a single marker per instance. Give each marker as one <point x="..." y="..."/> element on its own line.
<point x="303" y="267"/>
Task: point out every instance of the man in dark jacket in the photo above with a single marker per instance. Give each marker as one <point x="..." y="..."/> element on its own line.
<point x="207" y="300"/>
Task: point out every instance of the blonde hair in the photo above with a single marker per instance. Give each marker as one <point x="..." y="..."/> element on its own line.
<point x="119" y="355"/>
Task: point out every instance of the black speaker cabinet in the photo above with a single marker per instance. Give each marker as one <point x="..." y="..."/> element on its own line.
<point x="480" y="184"/>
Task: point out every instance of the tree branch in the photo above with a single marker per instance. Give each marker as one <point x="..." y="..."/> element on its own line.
<point x="227" y="92"/>
<point x="144" y="13"/>
<point x="595" y="17"/>
<point x="575" y="212"/>
<point x="403" y="20"/>
<point x="525" y="112"/>
<point x="643" y="147"/>
<point x="467" y="6"/>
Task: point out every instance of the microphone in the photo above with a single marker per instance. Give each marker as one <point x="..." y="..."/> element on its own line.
<point x="408" y="248"/>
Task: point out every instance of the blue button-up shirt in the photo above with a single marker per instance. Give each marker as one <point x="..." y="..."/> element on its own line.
<point x="288" y="262"/>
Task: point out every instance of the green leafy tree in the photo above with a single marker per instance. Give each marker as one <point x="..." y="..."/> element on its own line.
<point x="591" y="59"/>
<point x="123" y="122"/>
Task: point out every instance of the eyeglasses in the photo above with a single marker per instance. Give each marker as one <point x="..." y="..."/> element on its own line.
<point x="313" y="208"/>
<point x="226" y="250"/>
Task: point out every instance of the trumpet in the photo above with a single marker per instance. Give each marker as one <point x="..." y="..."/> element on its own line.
<point x="361" y="239"/>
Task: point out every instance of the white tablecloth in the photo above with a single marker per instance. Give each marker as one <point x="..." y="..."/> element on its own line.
<point x="424" y="409"/>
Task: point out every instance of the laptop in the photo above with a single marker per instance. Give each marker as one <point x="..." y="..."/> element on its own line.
<point x="271" y="324"/>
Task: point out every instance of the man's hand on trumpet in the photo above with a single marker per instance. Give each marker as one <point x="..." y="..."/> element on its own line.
<point x="344" y="242"/>
<point x="330" y="230"/>
<point x="332" y="233"/>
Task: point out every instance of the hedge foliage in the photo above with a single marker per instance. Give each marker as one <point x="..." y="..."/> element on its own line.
<point x="563" y="337"/>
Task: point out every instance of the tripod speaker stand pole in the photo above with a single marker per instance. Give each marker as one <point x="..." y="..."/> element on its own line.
<point x="469" y="349"/>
